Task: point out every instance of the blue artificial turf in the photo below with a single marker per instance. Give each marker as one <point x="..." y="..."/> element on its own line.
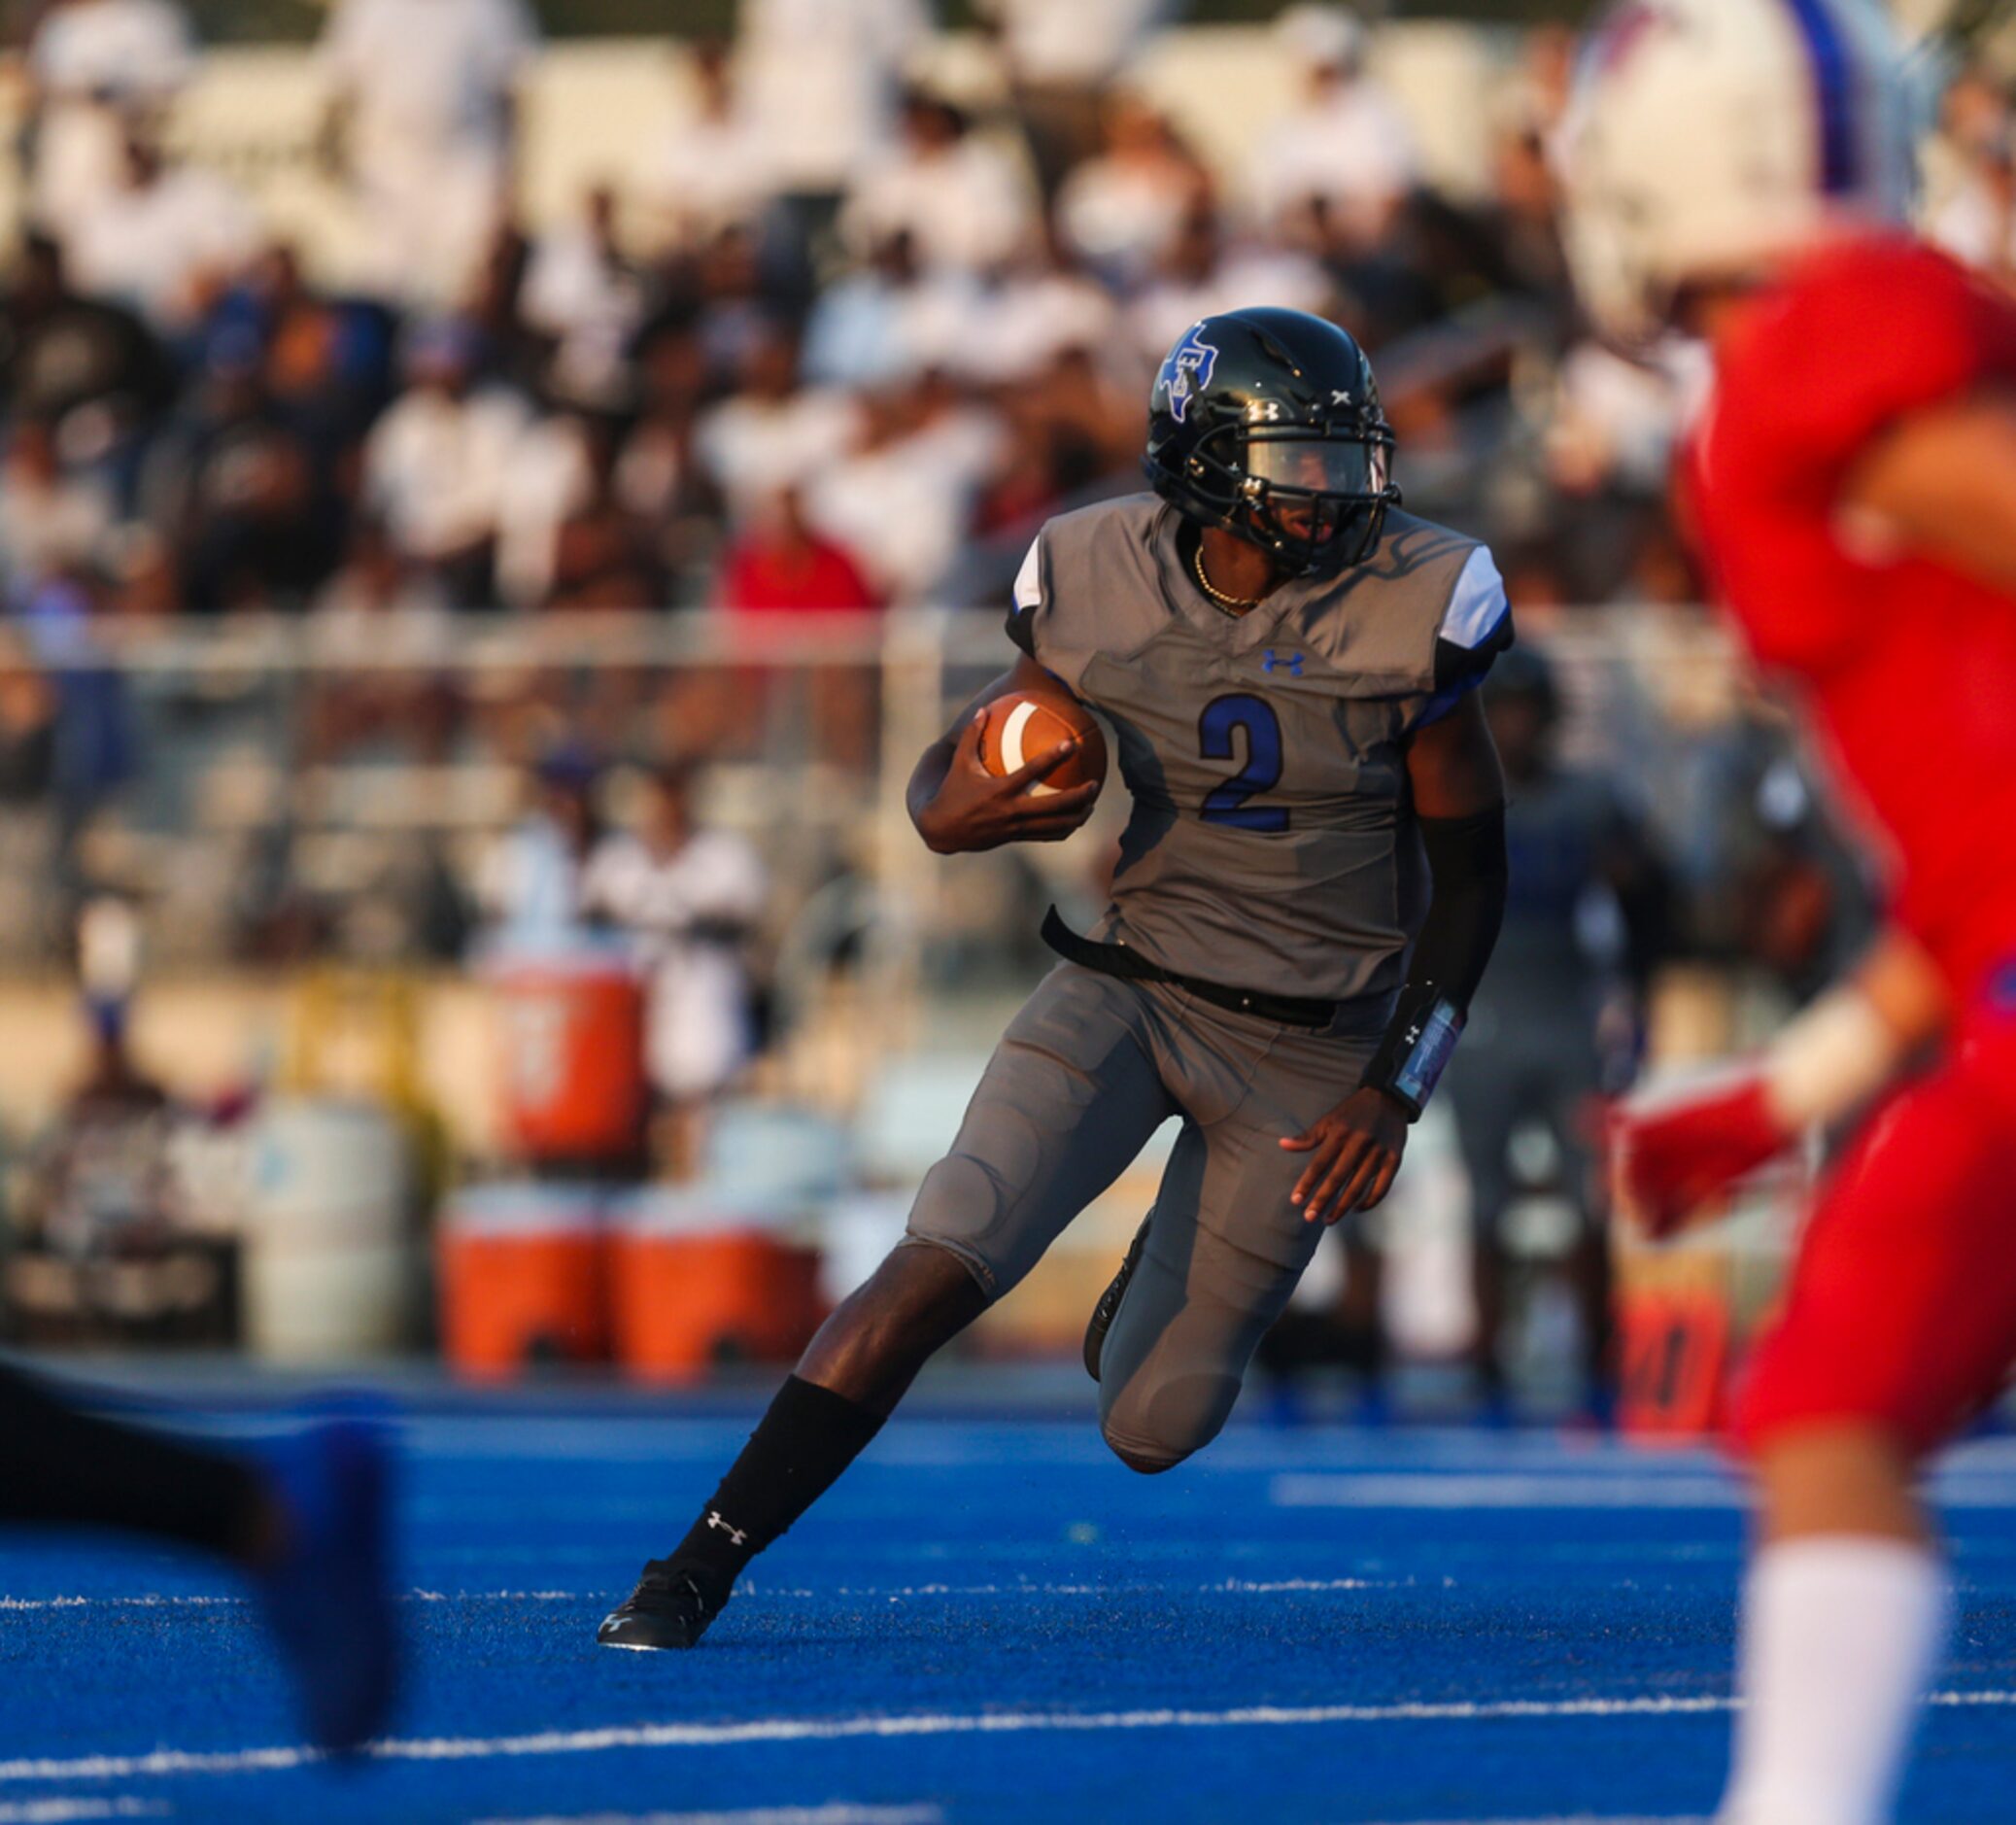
<point x="981" y="1624"/>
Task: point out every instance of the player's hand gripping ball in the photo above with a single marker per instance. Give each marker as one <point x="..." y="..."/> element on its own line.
<point x="1023" y="725"/>
<point x="1047" y="795"/>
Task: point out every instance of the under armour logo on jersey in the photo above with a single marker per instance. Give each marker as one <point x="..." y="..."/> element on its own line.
<point x="1187" y="371"/>
<point x="1291" y="663"/>
<point x="737" y="1534"/>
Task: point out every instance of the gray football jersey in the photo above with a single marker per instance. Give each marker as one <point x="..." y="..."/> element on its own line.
<point x="1271" y="844"/>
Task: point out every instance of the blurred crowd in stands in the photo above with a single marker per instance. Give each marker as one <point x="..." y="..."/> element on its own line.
<point x="837" y="342"/>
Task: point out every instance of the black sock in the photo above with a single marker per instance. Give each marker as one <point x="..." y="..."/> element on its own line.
<point x="66" y="1467"/>
<point x="797" y="1453"/>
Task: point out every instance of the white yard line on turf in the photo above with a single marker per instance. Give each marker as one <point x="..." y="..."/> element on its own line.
<point x="159" y="1762"/>
<point x="9" y="1603"/>
<point x="1402" y="1489"/>
<point x="1223" y="1586"/>
<point x="54" y="1812"/>
<point x="836" y="1813"/>
<point x="1332" y="1488"/>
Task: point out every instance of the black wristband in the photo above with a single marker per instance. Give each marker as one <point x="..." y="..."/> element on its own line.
<point x="1417" y="1045"/>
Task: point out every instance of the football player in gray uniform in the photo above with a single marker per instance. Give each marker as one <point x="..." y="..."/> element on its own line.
<point x="1310" y="886"/>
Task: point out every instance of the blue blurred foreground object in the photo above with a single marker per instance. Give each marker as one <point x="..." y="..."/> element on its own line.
<point x="328" y="1598"/>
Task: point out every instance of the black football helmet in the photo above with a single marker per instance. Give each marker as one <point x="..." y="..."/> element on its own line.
<point x="1267" y="423"/>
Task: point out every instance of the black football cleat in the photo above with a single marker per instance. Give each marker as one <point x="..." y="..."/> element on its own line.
<point x="1108" y="1306"/>
<point x="671" y="1607"/>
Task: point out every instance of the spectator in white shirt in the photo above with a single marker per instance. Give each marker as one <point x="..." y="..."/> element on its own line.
<point x="1612" y="426"/>
<point x="528" y="883"/>
<point x="819" y="80"/>
<point x="582" y="291"/>
<point x="1347" y="146"/>
<point x="435" y="463"/>
<point x="690" y="897"/>
<point x="1062" y="56"/>
<point x="771" y="432"/>
<point x="548" y="477"/>
<point x="901" y="500"/>
<point x="98" y="70"/>
<point x="1076" y="43"/>
<point x="423" y="117"/>
<point x="164" y="242"/>
<point x="887" y="320"/>
<point x="567" y="536"/>
<point x="1120" y="211"/>
<point x="1045" y="305"/>
<point x="961" y="200"/>
<point x="50" y="521"/>
<point x="714" y="170"/>
<point x="1201" y="276"/>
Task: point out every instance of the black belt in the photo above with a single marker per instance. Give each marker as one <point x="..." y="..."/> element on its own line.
<point x="1131" y="965"/>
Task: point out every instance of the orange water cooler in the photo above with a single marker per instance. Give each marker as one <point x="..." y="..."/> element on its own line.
<point x="693" y="1288"/>
<point x="521" y="1273"/>
<point x="571" y="1042"/>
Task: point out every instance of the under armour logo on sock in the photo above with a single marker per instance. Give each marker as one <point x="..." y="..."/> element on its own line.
<point x="714" y="1520"/>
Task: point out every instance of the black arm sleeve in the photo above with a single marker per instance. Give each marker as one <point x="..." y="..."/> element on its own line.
<point x="1466" y="862"/>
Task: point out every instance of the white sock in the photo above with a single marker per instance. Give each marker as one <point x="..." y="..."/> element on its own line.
<point x="1840" y="1636"/>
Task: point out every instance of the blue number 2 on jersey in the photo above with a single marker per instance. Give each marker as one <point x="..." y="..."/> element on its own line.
<point x="1228" y="804"/>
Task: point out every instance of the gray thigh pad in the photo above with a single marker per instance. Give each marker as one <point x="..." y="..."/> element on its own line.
<point x="1069" y="1098"/>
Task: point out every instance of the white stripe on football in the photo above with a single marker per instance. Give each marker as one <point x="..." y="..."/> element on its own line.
<point x="1013" y="759"/>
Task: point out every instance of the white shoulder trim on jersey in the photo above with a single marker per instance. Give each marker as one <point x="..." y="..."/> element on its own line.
<point x="1477" y="603"/>
<point x="1029" y="584"/>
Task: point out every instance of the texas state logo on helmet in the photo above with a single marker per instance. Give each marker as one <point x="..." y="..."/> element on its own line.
<point x="1187" y="373"/>
<point x="1706" y="136"/>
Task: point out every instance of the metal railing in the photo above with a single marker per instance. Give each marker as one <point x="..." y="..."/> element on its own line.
<point x="226" y="758"/>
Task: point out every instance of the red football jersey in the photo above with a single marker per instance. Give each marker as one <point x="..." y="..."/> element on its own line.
<point x="1908" y="669"/>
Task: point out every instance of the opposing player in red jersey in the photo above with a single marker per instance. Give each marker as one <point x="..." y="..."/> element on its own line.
<point x="1740" y="169"/>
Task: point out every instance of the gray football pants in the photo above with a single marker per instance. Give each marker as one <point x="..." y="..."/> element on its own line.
<point x="1088" y="1069"/>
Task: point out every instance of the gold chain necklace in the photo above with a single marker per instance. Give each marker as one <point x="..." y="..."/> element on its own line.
<point x="1233" y="604"/>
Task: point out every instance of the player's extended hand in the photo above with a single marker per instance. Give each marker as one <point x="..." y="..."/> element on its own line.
<point x="1672" y="1154"/>
<point x="975" y="810"/>
<point x="1354" y="1152"/>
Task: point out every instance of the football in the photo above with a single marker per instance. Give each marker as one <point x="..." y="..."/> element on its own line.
<point x="1024" y="724"/>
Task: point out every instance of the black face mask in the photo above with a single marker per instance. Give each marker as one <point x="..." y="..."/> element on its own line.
<point x="1315" y="500"/>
